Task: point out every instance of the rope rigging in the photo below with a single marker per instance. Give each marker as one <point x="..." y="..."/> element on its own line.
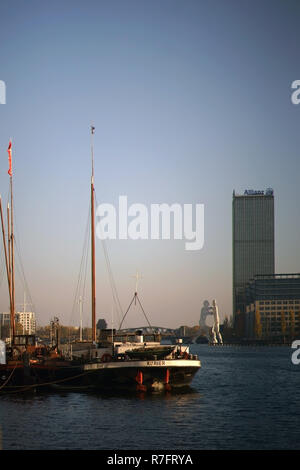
<point x="82" y="277"/>
<point x="135" y="298"/>
<point x="2" y="268"/>
<point x="20" y="265"/>
<point x="20" y="268"/>
<point x="115" y="295"/>
<point x="19" y="262"/>
<point x="81" y="281"/>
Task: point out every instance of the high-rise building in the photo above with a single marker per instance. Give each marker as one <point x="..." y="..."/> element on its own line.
<point x="4" y="325"/>
<point x="27" y="320"/>
<point x="4" y="318"/>
<point x="253" y="241"/>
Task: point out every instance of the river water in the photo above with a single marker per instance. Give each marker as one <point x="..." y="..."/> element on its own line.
<point x="242" y="398"/>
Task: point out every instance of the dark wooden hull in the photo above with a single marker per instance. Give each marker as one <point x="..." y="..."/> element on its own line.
<point x="146" y="376"/>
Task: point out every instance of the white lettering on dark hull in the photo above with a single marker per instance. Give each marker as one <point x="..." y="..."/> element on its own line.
<point x="146" y="364"/>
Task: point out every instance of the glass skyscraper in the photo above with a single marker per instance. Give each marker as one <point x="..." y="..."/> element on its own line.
<point x="253" y="241"/>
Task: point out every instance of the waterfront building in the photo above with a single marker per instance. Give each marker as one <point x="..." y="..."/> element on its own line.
<point x="28" y="322"/>
<point x="4" y="325"/>
<point x="273" y="307"/>
<point x="252" y="242"/>
<point x="4" y="319"/>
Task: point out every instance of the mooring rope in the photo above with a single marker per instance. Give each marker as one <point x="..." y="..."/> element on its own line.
<point x="23" y="388"/>
<point x="3" y="385"/>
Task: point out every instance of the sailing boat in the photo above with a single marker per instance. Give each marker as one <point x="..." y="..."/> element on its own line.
<point x="16" y="357"/>
<point x="120" y="361"/>
<point x="116" y="361"/>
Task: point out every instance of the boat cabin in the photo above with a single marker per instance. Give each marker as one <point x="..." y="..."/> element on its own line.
<point x="24" y="340"/>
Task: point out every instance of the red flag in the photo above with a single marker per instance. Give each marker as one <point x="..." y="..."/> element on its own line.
<point x="9" y="159"/>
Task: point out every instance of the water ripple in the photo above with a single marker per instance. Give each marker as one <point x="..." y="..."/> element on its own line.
<point x="242" y="398"/>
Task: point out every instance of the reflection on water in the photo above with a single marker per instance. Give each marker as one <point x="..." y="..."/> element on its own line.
<point x="241" y="398"/>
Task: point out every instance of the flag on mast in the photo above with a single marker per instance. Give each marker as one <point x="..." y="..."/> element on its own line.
<point x="9" y="159"/>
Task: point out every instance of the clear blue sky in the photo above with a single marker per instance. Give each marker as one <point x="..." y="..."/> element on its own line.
<point x="190" y="100"/>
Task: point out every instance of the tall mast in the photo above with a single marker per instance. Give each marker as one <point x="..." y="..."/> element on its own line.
<point x="6" y="255"/>
<point x="8" y="243"/>
<point x="12" y="260"/>
<point x="9" y="240"/>
<point x="93" y="266"/>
